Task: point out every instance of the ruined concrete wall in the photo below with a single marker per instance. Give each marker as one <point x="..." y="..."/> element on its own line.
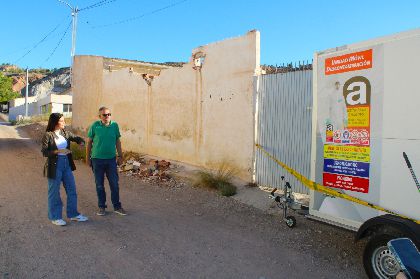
<point x="87" y="90"/>
<point x="202" y="115"/>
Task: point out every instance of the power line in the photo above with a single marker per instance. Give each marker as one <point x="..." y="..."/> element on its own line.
<point x="140" y="16"/>
<point x="59" y="42"/>
<point x="7" y="55"/>
<point x="42" y="40"/>
<point x="93" y="5"/>
<point x="98" y="4"/>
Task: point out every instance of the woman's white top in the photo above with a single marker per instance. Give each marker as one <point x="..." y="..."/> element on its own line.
<point x="60" y="141"/>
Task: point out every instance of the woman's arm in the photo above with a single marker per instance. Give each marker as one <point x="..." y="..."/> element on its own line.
<point x="45" y="146"/>
<point x="73" y="137"/>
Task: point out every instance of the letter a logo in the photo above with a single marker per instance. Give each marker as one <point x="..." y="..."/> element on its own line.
<point x="357" y="91"/>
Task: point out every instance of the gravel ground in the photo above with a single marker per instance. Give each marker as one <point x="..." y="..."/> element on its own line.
<point x="172" y="231"/>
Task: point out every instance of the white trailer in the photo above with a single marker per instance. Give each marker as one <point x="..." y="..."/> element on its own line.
<point x="366" y="116"/>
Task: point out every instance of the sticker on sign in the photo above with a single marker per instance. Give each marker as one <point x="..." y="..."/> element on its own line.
<point x="349" y="62"/>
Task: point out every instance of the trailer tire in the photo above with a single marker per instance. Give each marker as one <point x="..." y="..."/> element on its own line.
<point x="378" y="261"/>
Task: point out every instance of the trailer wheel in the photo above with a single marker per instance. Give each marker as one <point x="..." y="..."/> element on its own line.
<point x="290" y="221"/>
<point x="378" y="261"/>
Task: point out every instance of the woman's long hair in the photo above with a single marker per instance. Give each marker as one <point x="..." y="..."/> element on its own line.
<point x="53" y="121"/>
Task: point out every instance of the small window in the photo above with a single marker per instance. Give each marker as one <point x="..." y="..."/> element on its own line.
<point x="46" y="109"/>
<point x="67" y="108"/>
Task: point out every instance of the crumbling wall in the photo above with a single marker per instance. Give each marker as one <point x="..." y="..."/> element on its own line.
<point x="200" y="113"/>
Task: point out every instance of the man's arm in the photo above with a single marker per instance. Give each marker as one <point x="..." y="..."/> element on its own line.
<point x="119" y="150"/>
<point x="88" y="151"/>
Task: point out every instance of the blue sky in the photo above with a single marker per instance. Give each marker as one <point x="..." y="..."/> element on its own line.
<point x="290" y="30"/>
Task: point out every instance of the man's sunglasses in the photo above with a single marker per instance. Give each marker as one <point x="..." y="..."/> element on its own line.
<point x="106" y="114"/>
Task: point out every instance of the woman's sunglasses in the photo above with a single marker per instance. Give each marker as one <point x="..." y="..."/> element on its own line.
<point x="106" y="114"/>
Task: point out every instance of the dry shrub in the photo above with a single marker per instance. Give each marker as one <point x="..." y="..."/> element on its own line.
<point x="220" y="179"/>
<point x="78" y="152"/>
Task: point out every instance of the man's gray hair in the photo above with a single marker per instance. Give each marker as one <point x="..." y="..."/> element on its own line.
<point x="102" y="108"/>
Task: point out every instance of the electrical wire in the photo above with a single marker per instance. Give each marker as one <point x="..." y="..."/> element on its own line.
<point x="9" y="54"/>
<point x="41" y="41"/>
<point x="140" y="16"/>
<point x="96" y="5"/>
<point x="59" y="42"/>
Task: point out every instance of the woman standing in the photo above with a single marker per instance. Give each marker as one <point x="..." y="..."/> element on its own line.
<point x="59" y="167"/>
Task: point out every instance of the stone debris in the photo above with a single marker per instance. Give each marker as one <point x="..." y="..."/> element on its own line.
<point x="128" y="167"/>
<point x="136" y="165"/>
<point x="152" y="171"/>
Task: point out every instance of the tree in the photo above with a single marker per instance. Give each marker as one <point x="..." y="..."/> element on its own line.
<point x="6" y="92"/>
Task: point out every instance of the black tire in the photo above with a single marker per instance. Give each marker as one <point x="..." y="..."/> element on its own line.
<point x="290" y="221"/>
<point x="378" y="260"/>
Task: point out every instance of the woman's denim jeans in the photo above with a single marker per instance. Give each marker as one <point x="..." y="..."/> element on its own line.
<point x="108" y="167"/>
<point x="55" y="205"/>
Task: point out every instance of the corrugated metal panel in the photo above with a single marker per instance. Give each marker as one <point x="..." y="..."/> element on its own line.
<point x="284" y="124"/>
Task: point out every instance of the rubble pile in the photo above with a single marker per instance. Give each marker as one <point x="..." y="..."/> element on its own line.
<point x="152" y="171"/>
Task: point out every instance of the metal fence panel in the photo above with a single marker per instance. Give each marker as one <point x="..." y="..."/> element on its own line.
<point x="284" y="124"/>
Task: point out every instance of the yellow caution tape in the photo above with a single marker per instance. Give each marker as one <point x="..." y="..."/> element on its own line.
<point x="326" y="190"/>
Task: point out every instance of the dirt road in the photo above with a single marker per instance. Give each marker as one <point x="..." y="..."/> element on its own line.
<point x="169" y="233"/>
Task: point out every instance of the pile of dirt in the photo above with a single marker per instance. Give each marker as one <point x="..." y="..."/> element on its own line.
<point x="35" y="130"/>
<point x="151" y="170"/>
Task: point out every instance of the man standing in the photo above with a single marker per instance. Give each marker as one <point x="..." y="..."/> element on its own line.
<point x="103" y="142"/>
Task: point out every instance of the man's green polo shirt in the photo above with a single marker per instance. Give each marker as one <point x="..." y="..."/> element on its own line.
<point x="104" y="139"/>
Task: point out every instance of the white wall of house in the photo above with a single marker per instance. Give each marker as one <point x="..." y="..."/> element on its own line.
<point x="14" y="112"/>
<point x="55" y="99"/>
<point x="56" y="102"/>
<point x="21" y="101"/>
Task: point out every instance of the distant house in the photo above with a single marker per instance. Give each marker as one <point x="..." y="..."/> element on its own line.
<point x="52" y="93"/>
<point x="61" y="103"/>
<point x="55" y="103"/>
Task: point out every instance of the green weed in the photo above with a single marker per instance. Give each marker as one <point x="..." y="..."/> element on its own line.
<point x="78" y="152"/>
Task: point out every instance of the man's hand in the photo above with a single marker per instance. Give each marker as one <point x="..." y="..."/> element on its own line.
<point x="89" y="161"/>
<point x="119" y="160"/>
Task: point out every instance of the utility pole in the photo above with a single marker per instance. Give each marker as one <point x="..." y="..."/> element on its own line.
<point x="74" y="11"/>
<point x="26" y="93"/>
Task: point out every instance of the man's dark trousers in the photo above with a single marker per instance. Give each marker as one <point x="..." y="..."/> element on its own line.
<point x="108" y="167"/>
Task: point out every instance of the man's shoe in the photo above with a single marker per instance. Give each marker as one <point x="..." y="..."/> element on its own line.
<point x="101" y="211"/>
<point x="59" y="222"/>
<point x="120" y="211"/>
<point x="79" y="218"/>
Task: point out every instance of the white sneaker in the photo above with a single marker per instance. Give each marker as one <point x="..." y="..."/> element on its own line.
<point x="59" y="222"/>
<point x="79" y="218"/>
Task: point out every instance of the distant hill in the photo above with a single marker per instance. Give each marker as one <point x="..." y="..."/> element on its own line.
<point x="18" y="75"/>
<point x="57" y="82"/>
<point x="41" y="81"/>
